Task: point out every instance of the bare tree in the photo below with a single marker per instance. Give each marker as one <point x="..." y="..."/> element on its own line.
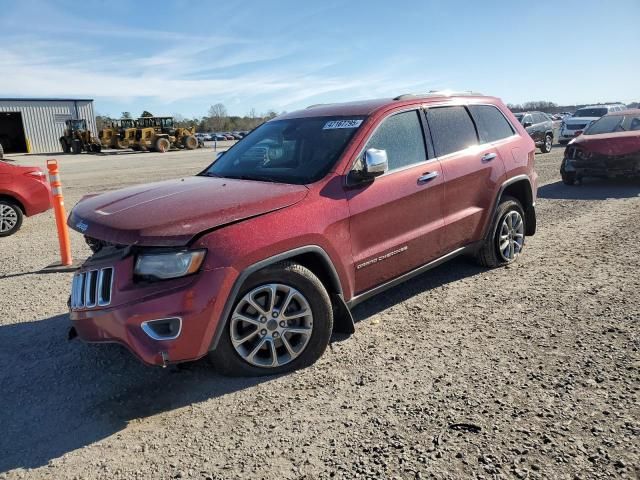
<point x="218" y="116"/>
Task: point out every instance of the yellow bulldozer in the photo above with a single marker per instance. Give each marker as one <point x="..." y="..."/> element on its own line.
<point x="119" y="134"/>
<point x="78" y="138"/>
<point x="160" y="134"/>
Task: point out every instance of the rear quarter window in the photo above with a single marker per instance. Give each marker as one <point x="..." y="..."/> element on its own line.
<point x="452" y="129"/>
<point x="491" y="124"/>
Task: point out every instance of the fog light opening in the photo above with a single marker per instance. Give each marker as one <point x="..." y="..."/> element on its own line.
<point x="163" y="329"/>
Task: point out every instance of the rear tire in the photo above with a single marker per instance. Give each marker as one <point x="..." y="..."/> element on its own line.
<point x="65" y="146"/>
<point x="252" y="357"/>
<point x="76" y="146"/>
<point x="547" y="145"/>
<point x="506" y="242"/>
<point x="11" y="217"/>
<point x="162" y="145"/>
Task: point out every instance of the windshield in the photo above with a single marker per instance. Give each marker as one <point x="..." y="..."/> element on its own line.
<point x="614" y="123"/>
<point x="298" y="150"/>
<point x="591" y="112"/>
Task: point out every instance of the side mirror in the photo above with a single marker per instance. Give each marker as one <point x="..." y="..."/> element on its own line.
<point x="374" y="164"/>
<point x="527" y="124"/>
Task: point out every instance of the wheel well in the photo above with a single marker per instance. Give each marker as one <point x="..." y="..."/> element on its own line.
<point x="318" y="265"/>
<point x="13" y="200"/>
<point x="521" y="190"/>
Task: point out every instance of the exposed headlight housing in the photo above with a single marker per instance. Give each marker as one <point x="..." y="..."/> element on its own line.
<point x="165" y="265"/>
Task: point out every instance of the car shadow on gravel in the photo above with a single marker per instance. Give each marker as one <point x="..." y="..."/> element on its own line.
<point x="454" y="270"/>
<point x="57" y="396"/>
<point x="592" y="189"/>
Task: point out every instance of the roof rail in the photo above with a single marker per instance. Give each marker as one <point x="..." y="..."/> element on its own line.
<point x="437" y="93"/>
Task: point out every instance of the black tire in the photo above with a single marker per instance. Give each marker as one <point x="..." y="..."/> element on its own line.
<point x="548" y="143"/>
<point x="489" y="254"/>
<point x="568" y="178"/>
<point x="76" y="146"/>
<point x="227" y="361"/>
<point x="66" y="148"/>
<point x="190" y="142"/>
<point x="162" y="145"/>
<point x="16" y="213"/>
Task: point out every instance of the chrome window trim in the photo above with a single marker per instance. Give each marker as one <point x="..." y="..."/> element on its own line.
<point x="424" y="107"/>
<point x="415" y="108"/>
<point x="149" y="331"/>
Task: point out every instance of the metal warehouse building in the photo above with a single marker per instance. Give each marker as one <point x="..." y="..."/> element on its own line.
<point x="35" y="125"/>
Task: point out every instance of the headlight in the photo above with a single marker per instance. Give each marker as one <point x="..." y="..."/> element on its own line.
<point x="169" y="264"/>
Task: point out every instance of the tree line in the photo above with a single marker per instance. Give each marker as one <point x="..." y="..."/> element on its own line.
<point x="217" y="120"/>
<point x="550" y="107"/>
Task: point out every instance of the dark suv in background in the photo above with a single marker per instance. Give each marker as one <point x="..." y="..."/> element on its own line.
<point x="539" y="126"/>
<point x="254" y="260"/>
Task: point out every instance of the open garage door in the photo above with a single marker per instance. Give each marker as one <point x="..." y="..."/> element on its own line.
<point x="12" y="133"/>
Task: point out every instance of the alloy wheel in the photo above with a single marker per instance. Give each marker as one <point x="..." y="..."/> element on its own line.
<point x="271" y="325"/>
<point x="8" y="218"/>
<point x="511" y="238"/>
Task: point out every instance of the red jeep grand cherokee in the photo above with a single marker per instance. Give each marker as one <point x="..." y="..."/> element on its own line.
<point x="258" y="258"/>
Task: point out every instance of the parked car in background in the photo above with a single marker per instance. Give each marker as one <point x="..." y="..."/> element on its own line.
<point x="540" y="127"/>
<point x="609" y="147"/>
<point x="24" y="191"/>
<point x="257" y="258"/>
<point x="576" y="124"/>
<point x="219" y="137"/>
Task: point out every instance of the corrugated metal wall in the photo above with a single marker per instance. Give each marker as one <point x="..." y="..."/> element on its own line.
<point x="43" y="120"/>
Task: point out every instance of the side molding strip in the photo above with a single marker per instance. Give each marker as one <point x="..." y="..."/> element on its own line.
<point x="402" y="278"/>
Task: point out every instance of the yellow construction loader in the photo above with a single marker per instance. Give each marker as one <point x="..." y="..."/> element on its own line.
<point x="78" y="138"/>
<point x="160" y="134"/>
<point x="119" y="134"/>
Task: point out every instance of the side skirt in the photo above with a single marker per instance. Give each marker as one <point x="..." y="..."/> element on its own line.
<point x="406" y="276"/>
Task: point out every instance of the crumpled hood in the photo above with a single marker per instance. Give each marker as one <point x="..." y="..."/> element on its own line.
<point x="170" y="213"/>
<point x="611" y="144"/>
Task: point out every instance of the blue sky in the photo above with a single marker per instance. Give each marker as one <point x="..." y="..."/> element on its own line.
<point x="183" y="56"/>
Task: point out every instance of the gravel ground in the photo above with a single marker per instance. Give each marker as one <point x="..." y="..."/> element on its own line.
<point x="530" y="371"/>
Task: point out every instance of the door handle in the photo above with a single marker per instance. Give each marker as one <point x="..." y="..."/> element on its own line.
<point x="427" y="176"/>
<point x="487" y="157"/>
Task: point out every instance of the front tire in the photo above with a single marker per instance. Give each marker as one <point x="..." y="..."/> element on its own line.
<point x="569" y="178"/>
<point x="547" y="145"/>
<point x="506" y="241"/>
<point x="281" y="321"/>
<point x="76" y="146"/>
<point x="11" y="217"/>
<point x="162" y="145"/>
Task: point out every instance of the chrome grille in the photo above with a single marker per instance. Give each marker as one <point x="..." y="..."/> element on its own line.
<point x="92" y="288"/>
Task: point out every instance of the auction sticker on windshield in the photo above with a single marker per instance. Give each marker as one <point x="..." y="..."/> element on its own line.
<point x="342" y="124"/>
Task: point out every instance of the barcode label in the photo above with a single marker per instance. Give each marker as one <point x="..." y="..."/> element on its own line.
<point x="342" y="124"/>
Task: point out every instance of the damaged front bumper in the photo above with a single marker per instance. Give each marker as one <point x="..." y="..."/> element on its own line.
<point x="605" y="167"/>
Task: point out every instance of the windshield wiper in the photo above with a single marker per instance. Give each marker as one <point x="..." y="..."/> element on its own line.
<point x="256" y="178"/>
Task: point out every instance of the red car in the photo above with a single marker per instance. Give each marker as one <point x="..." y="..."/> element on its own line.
<point x="23" y="191"/>
<point x="609" y="147"/>
<point x="256" y="260"/>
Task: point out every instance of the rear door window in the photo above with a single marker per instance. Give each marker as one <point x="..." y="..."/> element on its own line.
<point x="452" y="129"/>
<point x="402" y="137"/>
<point x="490" y="122"/>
